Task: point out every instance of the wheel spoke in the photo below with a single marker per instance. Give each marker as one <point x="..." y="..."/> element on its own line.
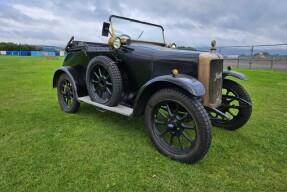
<point x="171" y="139"/>
<point x="100" y="73"/>
<point x="96" y="89"/>
<point x="106" y="77"/>
<point x="160" y="112"/>
<point x="177" y="108"/>
<point x="101" y="93"/>
<point x="107" y="95"/>
<point x="108" y="90"/>
<point x="179" y="141"/>
<point x="163" y="133"/>
<point x="187" y="127"/>
<point x="227" y="92"/>
<point x="109" y="83"/>
<point x="183" y="117"/>
<point x="229" y="99"/>
<point x="216" y="115"/>
<point x="187" y="137"/>
<point x="70" y="102"/>
<point x="66" y="100"/>
<point x="97" y="76"/>
<point x="93" y="81"/>
<point x="163" y="108"/>
<point x="160" y="122"/>
<point x="232" y="106"/>
<point x="169" y="110"/>
<point x="232" y="114"/>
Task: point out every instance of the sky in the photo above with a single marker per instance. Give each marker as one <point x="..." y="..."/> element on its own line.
<point x="192" y="23"/>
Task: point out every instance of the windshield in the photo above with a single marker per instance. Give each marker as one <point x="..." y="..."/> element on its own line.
<point x="137" y="30"/>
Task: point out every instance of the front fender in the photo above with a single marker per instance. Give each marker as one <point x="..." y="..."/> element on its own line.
<point x="234" y="74"/>
<point x="185" y="82"/>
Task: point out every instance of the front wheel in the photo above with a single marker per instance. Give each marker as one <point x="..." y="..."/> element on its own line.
<point x="178" y="126"/>
<point x="236" y="105"/>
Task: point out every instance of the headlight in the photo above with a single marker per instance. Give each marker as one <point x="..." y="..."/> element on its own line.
<point x="117" y="43"/>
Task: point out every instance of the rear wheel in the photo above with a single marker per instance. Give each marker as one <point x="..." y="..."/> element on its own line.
<point x="236" y="105"/>
<point x="104" y="82"/>
<point x="66" y="94"/>
<point x="178" y="126"/>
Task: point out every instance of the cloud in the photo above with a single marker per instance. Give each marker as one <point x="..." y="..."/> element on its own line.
<point x="186" y="22"/>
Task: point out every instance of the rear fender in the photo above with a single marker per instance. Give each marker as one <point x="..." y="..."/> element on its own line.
<point x="77" y="76"/>
<point x="186" y="83"/>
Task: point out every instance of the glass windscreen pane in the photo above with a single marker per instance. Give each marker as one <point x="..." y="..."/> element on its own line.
<point x="137" y="31"/>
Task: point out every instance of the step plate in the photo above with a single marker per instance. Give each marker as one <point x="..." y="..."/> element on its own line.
<point x="123" y="110"/>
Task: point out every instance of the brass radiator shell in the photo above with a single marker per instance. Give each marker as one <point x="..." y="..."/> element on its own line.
<point x="210" y="75"/>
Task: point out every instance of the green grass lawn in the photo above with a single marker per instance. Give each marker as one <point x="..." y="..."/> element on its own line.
<point x="45" y="149"/>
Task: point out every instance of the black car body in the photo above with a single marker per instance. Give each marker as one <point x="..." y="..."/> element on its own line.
<point x="136" y="73"/>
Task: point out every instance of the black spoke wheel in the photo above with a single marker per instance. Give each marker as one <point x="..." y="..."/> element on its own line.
<point x="236" y="105"/>
<point x="104" y="82"/>
<point x="66" y="94"/>
<point x="178" y="126"/>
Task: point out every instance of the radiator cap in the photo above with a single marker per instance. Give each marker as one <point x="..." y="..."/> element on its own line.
<point x="213" y="44"/>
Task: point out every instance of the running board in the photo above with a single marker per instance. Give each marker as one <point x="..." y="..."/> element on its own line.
<point x="123" y="110"/>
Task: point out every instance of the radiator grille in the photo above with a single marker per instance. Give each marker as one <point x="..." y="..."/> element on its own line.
<point x="215" y="82"/>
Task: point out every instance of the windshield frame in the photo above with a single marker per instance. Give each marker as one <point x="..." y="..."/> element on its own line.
<point x="137" y="21"/>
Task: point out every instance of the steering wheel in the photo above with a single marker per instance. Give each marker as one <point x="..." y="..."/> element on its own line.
<point x="125" y="35"/>
<point x="69" y="43"/>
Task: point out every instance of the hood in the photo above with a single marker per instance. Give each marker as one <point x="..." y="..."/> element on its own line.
<point x="160" y="53"/>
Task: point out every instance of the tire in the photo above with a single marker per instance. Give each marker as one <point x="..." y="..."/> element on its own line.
<point x="104" y="81"/>
<point x="237" y="111"/>
<point x="66" y="94"/>
<point x="178" y="126"/>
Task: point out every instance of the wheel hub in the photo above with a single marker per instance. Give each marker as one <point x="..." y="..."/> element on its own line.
<point x="67" y="90"/>
<point x="102" y="83"/>
<point x="174" y="125"/>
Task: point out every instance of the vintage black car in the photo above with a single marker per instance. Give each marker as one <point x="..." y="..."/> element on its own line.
<point x="181" y="93"/>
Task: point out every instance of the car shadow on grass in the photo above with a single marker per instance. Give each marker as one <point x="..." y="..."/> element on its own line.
<point x="134" y="124"/>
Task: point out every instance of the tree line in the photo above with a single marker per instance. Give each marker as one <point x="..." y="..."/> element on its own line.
<point x="187" y="48"/>
<point x="18" y="47"/>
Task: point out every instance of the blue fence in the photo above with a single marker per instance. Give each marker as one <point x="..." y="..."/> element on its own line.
<point x="43" y="53"/>
<point x="32" y="53"/>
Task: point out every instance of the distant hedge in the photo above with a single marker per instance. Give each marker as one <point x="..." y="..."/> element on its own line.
<point x="18" y="47"/>
<point x="187" y="48"/>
